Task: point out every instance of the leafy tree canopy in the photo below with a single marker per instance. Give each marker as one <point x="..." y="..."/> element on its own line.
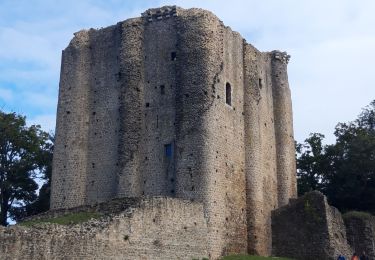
<point x="344" y="171"/>
<point x="24" y="153"/>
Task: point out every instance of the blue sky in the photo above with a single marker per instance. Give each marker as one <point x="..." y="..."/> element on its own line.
<point x="331" y="44"/>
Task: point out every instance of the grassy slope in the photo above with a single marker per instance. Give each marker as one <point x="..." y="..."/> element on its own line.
<point x="244" y="257"/>
<point x="65" y="220"/>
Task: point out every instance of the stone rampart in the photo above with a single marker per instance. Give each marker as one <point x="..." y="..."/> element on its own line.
<point x="148" y="229"/>
<point x="360" y="229"/>
<point x="309" y="229"/>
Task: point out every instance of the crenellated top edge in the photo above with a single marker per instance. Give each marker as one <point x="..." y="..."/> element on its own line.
<point x="156" y="14"/>
<point x="284" y="57"/>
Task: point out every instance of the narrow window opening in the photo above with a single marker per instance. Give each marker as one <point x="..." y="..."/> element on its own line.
<point x="147" y="104"/>
<point x="228" y="94"/>
<point x="162" y="89"/>
<point x="168" y="150"/>
<point x="173" y="56"/>
<point x="260" y="83"/>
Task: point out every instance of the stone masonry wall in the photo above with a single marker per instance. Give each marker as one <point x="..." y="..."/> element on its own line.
<point x="308" y="229"/>
<point x="158" y="170"/>
<point x="261" y="171"/>
<point x="131" y="119"/>
<point x="195" y="171"/>
<point x="103" y="115"/>
<point x="360" y="229"/>
<point x="209" y="133"/>
<point x="283" y="122"/>
<point x="157" y="229"/>
<point x="69" y="170"/>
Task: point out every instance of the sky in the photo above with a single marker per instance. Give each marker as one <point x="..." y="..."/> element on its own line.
<point x="331" y="43"/>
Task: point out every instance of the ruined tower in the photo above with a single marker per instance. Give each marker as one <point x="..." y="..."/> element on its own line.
<point x="176" y="104"/>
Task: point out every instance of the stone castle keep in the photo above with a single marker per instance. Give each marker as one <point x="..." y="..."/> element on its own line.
<point x="176" y="104"/>
<point x="175" y="137"/>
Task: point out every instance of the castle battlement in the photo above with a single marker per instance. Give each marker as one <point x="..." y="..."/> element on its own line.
<point x="282" y="56"/>
<point x="157" y="14"/>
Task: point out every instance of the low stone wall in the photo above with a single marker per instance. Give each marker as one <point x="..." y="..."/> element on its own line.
<point x="309" y="229"/>
<point x="360" y="229"/>
<point x="155" y="229"/>
<point x="113" y="206"/>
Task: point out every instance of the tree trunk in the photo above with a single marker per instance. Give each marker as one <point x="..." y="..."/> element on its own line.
<point x="4" y="210"/>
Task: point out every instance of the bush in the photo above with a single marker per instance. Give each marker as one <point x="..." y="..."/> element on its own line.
<point x="357" y="214"/>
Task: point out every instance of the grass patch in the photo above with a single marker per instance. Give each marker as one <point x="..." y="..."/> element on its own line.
<point x="249" y="257"/>
<point x="69" y="219"/>
<point x="357" y="214"/>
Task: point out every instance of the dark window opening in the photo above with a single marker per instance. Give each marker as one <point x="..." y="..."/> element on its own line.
<point x="147" y="104"/>
<point x="260" y="83"/>
<point x="228" y="94"/>
<point x="168" y="150"/>
<point x="162" y="89"/>
<point x="173" y="56"/>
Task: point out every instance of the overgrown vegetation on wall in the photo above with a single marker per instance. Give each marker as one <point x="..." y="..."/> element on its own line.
<point x="343" y="171"/>
<point x="249" y="257"/>
<point x="69" y="219"/>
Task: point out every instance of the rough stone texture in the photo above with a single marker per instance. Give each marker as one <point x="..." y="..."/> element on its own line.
<point x="309" y="229"/>
<point x="360" y="231"/>
<point x="142" y="111"/>
<point x="153" y="229"/>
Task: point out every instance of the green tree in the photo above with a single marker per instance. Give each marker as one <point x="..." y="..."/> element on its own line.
<point x="22" y="154"/>
<point x="345" y="170"/>
<point x="351" y="179"/>
<point x="311" y="164"/>
<point x="42" y="203"/>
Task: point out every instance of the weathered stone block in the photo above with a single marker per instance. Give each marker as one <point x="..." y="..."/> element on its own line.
<point x="309" y="229"/>
<point x="360" y="229"/>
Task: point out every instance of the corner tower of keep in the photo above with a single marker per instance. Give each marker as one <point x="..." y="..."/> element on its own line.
<point x="143" y="111"/>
